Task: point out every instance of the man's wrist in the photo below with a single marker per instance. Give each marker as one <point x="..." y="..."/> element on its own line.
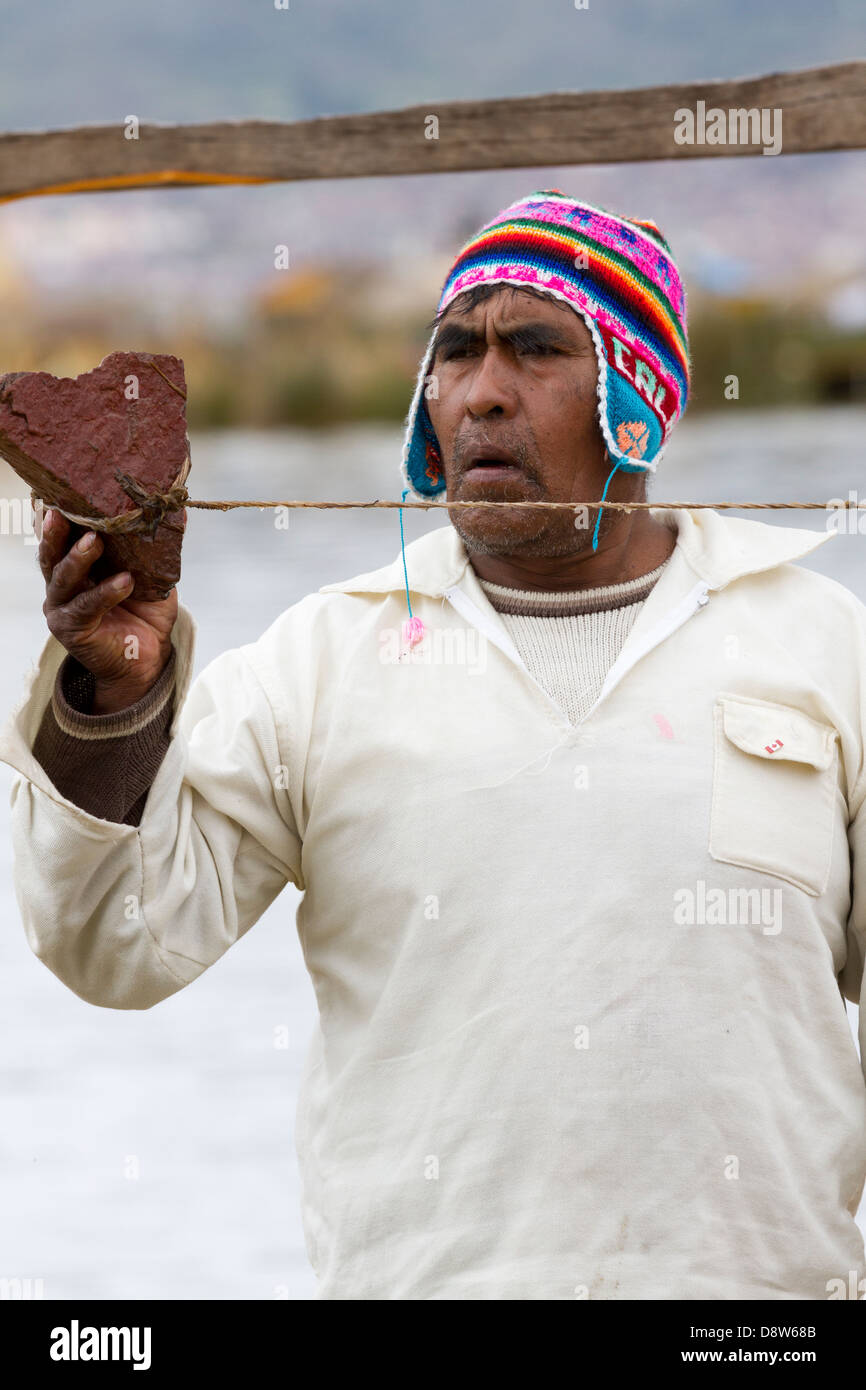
<point x="110" y="697"/>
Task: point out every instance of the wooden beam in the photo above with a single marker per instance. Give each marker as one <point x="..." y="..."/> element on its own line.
<point x="822" y="109"/>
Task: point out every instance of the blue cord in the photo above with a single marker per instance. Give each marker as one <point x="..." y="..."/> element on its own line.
<point x="598" y="518"/>
<point x="403" y="550"/>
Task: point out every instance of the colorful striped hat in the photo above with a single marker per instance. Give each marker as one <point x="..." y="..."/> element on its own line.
<point x="619" y="275"/>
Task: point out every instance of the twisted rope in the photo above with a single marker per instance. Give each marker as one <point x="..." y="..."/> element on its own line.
<point x="144" y="518"/>
<point x="571" y="506"/>
<point x="152" y="507"/>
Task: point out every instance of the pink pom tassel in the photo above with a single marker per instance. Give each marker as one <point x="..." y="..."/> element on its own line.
<point x="413" y="631"/>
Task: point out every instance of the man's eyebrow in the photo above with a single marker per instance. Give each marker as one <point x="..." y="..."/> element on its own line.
<point x="453" y="335"/>
<point x="525" y="335"/>
<point x="537" y="335"/>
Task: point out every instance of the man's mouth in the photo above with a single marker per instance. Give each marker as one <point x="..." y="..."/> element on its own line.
<point x="491" y="465"/>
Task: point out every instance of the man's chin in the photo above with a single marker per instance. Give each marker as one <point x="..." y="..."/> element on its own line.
<point x="490" y="531"/>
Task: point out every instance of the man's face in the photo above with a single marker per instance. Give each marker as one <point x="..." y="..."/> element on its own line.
<point x="517" y="381"/>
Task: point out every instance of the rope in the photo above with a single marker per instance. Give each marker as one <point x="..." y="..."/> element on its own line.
<point x="144" y="518"/>
<point x="152" y="507"/>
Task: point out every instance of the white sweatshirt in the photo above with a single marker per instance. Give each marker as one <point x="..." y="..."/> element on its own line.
<point x="581" y="987"/>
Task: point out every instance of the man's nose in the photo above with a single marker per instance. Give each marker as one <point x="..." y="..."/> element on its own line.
<point x="491" y="388"/>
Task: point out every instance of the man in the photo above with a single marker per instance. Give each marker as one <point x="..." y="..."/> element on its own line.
<point x="581" y="869"/>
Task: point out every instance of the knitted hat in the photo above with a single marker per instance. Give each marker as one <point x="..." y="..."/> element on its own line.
<point x="620" y="276"/>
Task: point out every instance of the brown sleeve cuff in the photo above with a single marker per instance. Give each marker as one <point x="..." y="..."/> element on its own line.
<point x="105" y="763"/>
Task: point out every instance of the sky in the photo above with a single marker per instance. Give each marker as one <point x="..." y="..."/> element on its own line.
<point x="206" y="60"/>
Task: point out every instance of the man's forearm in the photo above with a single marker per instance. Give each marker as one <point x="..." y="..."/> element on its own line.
<point x="104" y="763"/>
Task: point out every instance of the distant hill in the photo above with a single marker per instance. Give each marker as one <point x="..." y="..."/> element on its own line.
<point x="199" y="60"/>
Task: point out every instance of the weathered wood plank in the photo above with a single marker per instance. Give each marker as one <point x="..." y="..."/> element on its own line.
<point x="822" y="109"/>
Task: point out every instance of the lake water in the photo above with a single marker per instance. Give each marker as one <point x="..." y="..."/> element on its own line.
<point x="150" y="1155"/>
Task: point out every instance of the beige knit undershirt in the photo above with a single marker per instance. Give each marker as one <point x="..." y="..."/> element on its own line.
<point x="569" y="641"/>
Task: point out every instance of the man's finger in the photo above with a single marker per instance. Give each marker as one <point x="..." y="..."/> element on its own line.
<point x="69" y="574"/>
<point x="54" y="542"/>
<point x="87" y="607"/>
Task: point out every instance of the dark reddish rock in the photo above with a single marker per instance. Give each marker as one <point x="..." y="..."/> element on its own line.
<point x="68" y="437"/>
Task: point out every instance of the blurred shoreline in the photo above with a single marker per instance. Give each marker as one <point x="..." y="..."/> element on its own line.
<point x="330" y="345"/>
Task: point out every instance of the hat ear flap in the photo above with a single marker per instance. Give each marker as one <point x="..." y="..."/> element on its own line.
<point x="423" y="470"/>
<point x="434" y="473"/>
<point x="631" y="432"/>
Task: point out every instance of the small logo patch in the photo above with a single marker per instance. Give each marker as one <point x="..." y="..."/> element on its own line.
<point x="774" y="746"/>
<point x="632" y="436"/>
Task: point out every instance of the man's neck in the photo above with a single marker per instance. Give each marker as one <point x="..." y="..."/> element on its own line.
<point x="636" y="545"/>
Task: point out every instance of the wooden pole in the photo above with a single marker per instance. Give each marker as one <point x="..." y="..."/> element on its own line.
<point x="822" y="109"/>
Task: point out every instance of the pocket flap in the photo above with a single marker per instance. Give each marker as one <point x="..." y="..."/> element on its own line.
<point x="777" y="731"/>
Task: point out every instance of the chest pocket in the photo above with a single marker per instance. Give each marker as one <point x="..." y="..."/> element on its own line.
<point x="774" y="790"/>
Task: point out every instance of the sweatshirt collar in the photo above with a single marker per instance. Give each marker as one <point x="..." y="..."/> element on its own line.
<point x="718" y="549"/>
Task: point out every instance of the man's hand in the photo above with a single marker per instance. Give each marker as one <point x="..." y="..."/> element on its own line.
<point x="124" y="644"/>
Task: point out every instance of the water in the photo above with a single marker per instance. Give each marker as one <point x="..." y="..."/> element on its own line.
<point x="150" y="1155"/>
